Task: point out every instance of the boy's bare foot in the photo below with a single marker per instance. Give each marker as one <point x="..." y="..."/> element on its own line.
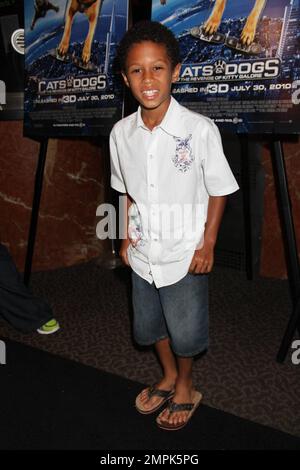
<point x="182" y="395"/>
<point x="179" y="410"/>
<point x="149" y="400"/>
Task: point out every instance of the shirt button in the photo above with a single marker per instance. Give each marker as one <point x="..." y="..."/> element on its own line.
<point x="152" y="185"/>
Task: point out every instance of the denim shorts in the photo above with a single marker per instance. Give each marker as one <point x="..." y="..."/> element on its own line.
<point x="178" y="312"/>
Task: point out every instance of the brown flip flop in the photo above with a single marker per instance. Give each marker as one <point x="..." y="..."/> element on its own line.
<point x="173" y="407"/>
<point x="165" y="395"/>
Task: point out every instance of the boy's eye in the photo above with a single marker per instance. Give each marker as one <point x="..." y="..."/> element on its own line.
<point x="158" y="67"/>
<point x="135" y="70"/>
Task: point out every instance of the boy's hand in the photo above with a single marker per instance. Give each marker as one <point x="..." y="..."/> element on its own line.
<point x="123" y="251"/>
<point x="203" y="260"/>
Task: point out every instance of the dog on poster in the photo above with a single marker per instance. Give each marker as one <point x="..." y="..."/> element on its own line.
<point x="91" y="9"/>
<point x="41" y="7"/>
<point x="212" y="24"/>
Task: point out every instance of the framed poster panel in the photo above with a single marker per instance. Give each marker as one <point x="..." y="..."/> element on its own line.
<point x="70" y="84"/>
<point x="240" y="61"/>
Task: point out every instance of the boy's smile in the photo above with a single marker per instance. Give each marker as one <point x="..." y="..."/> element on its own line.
<point x="149" y="74"/>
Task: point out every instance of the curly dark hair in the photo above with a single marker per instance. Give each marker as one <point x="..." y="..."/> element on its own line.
<point x="148" y="31"/>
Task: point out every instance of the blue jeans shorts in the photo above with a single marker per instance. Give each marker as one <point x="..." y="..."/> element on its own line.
<point x="178" y="312"/>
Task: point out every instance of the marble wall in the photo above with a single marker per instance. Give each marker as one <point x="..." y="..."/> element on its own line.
<point x="76" y="181"/>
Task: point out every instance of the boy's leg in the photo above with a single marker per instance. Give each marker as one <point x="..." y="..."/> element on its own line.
<point x="167" y="360"/>
<point x="150" y="328"/>
<point x="183" y="391"/>
<point x="185" y="306"/>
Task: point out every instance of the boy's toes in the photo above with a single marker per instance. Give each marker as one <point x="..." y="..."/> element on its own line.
<point x="150" y="399"/>
<point x="164" y="415"/>
<point x="178" y="419"/>
<point x="144" y="395"/>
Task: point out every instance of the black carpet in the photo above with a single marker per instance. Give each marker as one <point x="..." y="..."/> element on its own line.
<point x="48" y="402"/>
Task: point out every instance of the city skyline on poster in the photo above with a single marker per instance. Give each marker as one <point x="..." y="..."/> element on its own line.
<point x="246" y="89"/>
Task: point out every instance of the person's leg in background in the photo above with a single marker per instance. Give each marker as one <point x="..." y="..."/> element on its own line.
<point x="18" y="306"/>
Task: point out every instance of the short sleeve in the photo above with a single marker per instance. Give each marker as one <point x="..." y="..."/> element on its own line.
<point x="116" y="180"/>
<point x="218" y="177"/>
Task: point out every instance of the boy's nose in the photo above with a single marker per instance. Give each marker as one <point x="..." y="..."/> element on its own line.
<point x="147" y="76"/>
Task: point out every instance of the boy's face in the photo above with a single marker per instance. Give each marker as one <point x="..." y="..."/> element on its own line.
<point x="149" y="74"/>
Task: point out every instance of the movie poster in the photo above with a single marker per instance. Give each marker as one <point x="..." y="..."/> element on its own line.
<point x="12" y="59"/>
<point x="71" y="86"/>
<point x="240" y="61"/>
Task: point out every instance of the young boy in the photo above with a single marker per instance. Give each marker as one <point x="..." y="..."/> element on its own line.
<point x="168" y="160"/>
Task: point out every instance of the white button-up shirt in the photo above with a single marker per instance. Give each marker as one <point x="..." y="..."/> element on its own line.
<point x="169" y="173"/>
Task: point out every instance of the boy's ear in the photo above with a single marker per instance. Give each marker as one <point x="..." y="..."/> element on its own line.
<point x="175" y="73"/>
<point x="125" y="79"/>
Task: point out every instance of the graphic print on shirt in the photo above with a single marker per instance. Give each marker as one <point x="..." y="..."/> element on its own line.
<point x="135" y="232"/>
<point x="183" y="154"/>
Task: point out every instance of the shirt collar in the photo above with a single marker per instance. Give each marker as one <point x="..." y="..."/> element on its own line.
<point x="171" y="122"/>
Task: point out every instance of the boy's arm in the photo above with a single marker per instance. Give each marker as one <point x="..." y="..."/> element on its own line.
<point x="126" y="241"/>
<point x="203" y="259"/>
